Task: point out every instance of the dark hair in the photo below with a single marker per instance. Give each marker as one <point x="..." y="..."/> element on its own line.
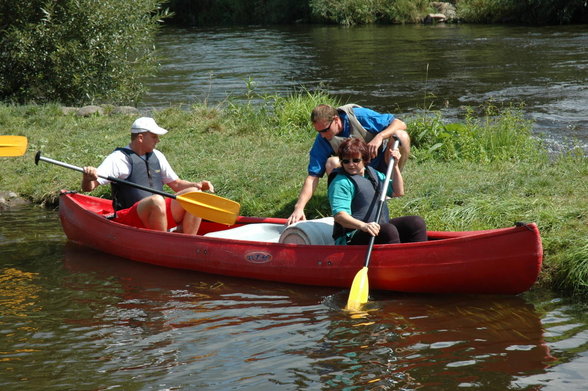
<point x="354" y="146"/>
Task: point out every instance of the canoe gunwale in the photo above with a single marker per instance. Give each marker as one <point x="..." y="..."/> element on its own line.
<point x="447" y="264"/>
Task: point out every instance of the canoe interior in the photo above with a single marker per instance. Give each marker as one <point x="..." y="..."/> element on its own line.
<point x="103" y="207"/>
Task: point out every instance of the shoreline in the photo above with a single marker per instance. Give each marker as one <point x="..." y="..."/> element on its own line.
<point x="11" y="200"/>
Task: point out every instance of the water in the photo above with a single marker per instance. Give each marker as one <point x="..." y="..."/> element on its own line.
<point x="74" y="318"/>
<point x="398" y="69"/>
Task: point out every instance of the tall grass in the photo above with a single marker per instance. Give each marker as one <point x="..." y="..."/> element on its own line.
<point x="488" y="11"/>
<point x="485" y="172"/>
<point x="539" y="12"/>
<point x="488" y="134"/>
<point x="354" y="12"/>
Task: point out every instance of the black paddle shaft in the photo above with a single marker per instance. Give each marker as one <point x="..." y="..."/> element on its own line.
<point x="382" y="199"/>
<point x="112" y="179"/>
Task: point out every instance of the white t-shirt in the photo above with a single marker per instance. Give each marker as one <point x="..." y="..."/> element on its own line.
<point x="118" y="166"/>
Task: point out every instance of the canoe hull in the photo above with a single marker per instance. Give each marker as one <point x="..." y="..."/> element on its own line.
<point x="500" y="261"/>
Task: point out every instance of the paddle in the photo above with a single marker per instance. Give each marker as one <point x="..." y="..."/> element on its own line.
<point x="208" y="206"/>
<point x="13" y="145"/>
<point x="358" y="294"/>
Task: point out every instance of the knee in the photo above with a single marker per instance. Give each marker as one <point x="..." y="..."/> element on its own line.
<point x="388" y="234"/>
<point x="402" y="135"/>
<point x="413" y="224"/>
<point x="404" y="147"/>
<point x="411" y="228"/>
<point x="418" y="227"/>
<point x="157" y="204"/>
<point x="419" y="223"/>
<point x="332" y="163"/>
<point x="404" y="138"/>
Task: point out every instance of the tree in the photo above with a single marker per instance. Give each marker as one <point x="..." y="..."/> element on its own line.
<point x="77" y="51"/>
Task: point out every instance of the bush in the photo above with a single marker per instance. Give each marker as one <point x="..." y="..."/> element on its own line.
<point x="346" y="12"/>
<point x="238" y="12"/>
<point x="538" y="12"/>
<point x="76" y="51"/>
<point x="353" y="12"/>
<point x="488" y="11"/>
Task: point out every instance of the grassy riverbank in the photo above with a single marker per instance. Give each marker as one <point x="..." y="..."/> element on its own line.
<point x="485" y="173"/>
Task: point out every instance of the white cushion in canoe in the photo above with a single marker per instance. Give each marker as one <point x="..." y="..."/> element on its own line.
<point x="318" y="231"/>
<point x="259" y="232"/>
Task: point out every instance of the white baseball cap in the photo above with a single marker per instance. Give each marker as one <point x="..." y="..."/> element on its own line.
<point x="146" y="124"/>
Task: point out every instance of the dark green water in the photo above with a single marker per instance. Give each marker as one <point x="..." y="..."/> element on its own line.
<point x="399" y="69"/>
<point x="75" y="319"/>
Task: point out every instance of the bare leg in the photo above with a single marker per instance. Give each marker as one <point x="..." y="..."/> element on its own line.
<point x="332" y="163"/>
<point x="404" y="147"/>
<point x="187" y="223"/>
<point x="151" y="211"/>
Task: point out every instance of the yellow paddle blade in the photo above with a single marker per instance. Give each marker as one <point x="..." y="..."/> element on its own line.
<point x="210" y="207"/>
<point x="360" y="288"/>
<point x="13" y="145"/>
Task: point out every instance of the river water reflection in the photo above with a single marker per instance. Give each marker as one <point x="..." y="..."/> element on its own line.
<point x="73" y="318"/>
<point x="400" y="69"/>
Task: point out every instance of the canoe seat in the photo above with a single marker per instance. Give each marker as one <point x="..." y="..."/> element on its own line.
<point x="258" y="232"/>
<point x="318" y="232"/>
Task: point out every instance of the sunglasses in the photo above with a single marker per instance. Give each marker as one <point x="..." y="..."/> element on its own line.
<point x="327" y="128"/>
<point x="347" y="161"/>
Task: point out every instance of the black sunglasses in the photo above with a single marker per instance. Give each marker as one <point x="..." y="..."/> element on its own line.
<point x="327" y="128"/>
<point x="347" y="161"/>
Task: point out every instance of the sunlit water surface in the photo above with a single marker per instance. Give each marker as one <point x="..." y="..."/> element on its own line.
<point x="75" y="319"/>
<point x="398" y="69"/>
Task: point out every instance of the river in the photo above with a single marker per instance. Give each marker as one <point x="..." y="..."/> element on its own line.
<point x="75" y="319"/>
<point x="399" y="69"/>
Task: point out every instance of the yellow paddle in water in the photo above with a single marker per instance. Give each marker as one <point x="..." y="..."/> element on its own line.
<point x="360" y="287"/>
<point x="13" y="145"/>
<point x="205" y="205"/>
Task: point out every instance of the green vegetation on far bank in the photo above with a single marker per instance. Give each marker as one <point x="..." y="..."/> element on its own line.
<point x="356" y="12"/>
<point x="486" y="172"/>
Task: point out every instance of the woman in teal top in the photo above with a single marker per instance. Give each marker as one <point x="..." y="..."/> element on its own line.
<point x="353" y="194"/>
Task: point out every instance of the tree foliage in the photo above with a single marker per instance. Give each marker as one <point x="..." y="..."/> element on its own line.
<point x="354" y="12"/>
<point x="238" y="12"/>
<point x="536" y="12"/>
<point x="76" y="51"/>
<point x="347" y="12"/>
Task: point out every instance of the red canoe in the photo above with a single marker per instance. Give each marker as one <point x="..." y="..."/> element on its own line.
<point x="498" y="261"/>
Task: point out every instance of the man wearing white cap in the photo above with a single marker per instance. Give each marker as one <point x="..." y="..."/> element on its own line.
<point x="139" y="162"/>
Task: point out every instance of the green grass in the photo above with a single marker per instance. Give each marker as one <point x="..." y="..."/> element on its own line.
<point x="486" y="172"/>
